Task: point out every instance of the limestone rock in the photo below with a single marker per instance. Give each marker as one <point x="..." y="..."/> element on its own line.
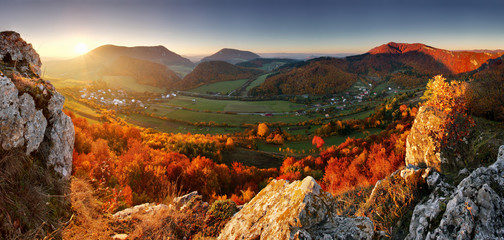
<point x="145" y="209"/>
<point x="29" y="121"/>
<point x="14" y="51"/>
<point x="34" y="122"/>
<point x="473" y="210"/>
<point x="299" y="210"/>
<point x="421" y="149"/>
<point x="60" y="136"/>
<point x="11" y="126"/>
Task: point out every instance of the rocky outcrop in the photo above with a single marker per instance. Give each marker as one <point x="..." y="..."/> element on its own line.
<point x="423" y="150"/>
<point x="297" y="210"/>
<point x="420" y="148"/>
<point x="15" y="52"/>
<point x="472" y="210"/>
<point x="31" y="116"/>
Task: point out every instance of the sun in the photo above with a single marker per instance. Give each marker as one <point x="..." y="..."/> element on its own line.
<point x="81" y="48"/>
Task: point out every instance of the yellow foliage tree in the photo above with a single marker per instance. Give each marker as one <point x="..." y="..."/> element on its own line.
<point x="262" y="129"/>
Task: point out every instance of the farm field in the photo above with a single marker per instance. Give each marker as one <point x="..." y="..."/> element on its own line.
<point x="225" y="87"/>
<point x="257" y="82"/>
<point x="203" y="104"/>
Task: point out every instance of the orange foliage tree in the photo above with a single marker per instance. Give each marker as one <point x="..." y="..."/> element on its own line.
<point x="450" y="98"/>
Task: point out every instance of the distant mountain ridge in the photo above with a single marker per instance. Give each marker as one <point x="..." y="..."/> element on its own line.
<point x="158" y="54"/>
<point x="455" y="61"/>
<point x="232" y="56"/>
<point x="404" y="64"/>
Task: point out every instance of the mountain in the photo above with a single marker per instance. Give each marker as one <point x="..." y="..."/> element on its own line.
<point x="232" y="56"/>
<point x="215" y="71"/>
<point x="455" y="61"/>
<point x="89" y="66"/>
<point x="157" y="54"/>
<point x="144" y="72"/>
<point x="403" y="64"/>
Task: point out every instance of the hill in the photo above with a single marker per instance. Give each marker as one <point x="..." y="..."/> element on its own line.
<point x="318" y="76"/>
<point x="215" y="71"/>
<point x="144" y="72"/>
<point x="157" y="54"/>
<point x="232" y="56"/>
<point x="89" y="66"/>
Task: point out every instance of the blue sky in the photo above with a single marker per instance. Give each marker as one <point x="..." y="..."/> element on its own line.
<point x="192" y="27"/>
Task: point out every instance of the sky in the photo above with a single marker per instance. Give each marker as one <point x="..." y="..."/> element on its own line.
<point x="202" y="27"/>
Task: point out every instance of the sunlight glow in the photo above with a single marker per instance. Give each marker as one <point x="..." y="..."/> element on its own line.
<point x="81" y="48"/>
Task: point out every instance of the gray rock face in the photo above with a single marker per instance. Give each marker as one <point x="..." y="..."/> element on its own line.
<point x="472" y="210"/>
<point x="299" y="210"/>
<point x="14" y="51"/>
<point x="46" y="131"/>
<point x="60" y="134"/>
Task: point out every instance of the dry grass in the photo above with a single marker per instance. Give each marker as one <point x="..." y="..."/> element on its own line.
<point x="32" y="198"/>
<point x="88" y="221"/>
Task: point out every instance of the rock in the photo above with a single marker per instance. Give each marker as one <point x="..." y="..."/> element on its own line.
<point x="32" y="122"/>
<point x="121" y="236"/>
<point x="60" y="136"/>
<point x="299" y="210"/>
<point x="144" y="209"/>
<point x="11" y="126"/>
<point x="14" y="51"/>
<point x="182" y="200"/>
<point x="472" y="210"/>
<point x="422" y="150"/>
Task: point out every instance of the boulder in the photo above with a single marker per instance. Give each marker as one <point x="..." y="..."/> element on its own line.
<point x="472" y="210"/>
<point x="297" y="210"/>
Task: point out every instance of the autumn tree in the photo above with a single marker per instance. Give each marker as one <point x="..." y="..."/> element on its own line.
<point x="262" y="129"/>
<point x="317" y="141"/>
<point x="450" y="98"/>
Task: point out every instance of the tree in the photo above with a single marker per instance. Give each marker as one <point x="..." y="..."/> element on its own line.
<point x="317" y="141"/>
<point x="262" y="129"/>
<point x="451" y="99"/>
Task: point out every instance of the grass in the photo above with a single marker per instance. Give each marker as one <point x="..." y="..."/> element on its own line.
<point x="225" y="87"/>
<point x="203" y="104"/>
<point x="168" y="126"/>
<point x="360" y="115"/>
<point x="257" y="82"/>
<point x="65" y="82"/>
<point x="129" y="84"/>
<point x="307" y="145"/>
<point x="182" y="71"/>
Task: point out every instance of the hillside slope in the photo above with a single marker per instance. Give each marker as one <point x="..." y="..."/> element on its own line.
<point x="144" y="72"/>
<point x="215" y="71"/>
<point x="319" y="76"/>
<point x="407" y="65"/>
<point x="232" y="56"/>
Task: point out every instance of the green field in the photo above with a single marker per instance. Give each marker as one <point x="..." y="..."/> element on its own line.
<point x="129" y="84"/>
<point x="182" y="71"/>
<point x="257" y="82"/>
<point x="168" y="126"/>
<point x="225" y="87"/>
<point x="203" y="104"/>
<point x="307" y="145"/>
<point x="232" y="119"/>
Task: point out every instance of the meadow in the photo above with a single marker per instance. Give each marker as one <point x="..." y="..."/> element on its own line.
<point x="224" y="88"/>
